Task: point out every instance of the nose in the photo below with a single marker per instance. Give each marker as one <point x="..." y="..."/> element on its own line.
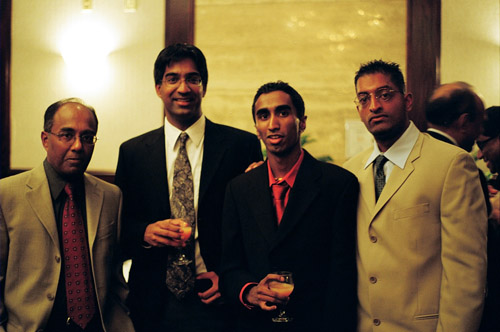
<point x="274" y="122"/>
<point x="374" y="103"/>
<point x="77" y="144"/>
<point x="183" y="86"/>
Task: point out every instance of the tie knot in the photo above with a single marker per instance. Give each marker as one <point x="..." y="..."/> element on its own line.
<point x="279" y="190"/>
<point x="183" y="137"/>
<point x="380" y="162"/>
<point x="68" y="188"/>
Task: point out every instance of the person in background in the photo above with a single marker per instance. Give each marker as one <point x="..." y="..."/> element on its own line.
<point x="489" y="150"/>
<point x="292" y="213"/>
<point x="60" y="263"/>
<point x="421" y="245"/>
<point x="173" y="181"/>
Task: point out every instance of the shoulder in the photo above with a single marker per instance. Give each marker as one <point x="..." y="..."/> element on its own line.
<point x="328" y="170"/>
<point x="103" y="185"/>
<point x="146" y="138"/>
<point x="358" y="161"/>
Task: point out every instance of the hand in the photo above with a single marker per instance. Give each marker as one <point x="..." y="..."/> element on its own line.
<point x="211" y="294"/>
<point x="261" y="295"/>
<point x="166" y="232"/>
<point x="254" y="165"/>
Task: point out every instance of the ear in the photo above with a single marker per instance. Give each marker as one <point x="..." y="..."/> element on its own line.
<point x="463" y="121"/>
<point x="302" y="124"/>
<point x="157" y="88"/>
<point x="45" y="140"/>
<point x="258" y="134"/>
<point x="408" y="102"/>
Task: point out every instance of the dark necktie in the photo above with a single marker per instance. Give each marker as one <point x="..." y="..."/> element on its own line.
<point x="79" y="288"/>
<point x="279" y="194"/>
<point x="181" y="268"/>
<point x="379" y="175"/>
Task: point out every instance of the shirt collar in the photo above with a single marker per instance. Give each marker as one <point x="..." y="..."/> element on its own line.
<point x="290" y="177"/>
<point x="195" y="133"/>
<point x="398" y="153"/>
<point x="442" y="133"/>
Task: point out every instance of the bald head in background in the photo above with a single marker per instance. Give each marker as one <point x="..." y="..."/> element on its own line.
<point x="456" y="110"/>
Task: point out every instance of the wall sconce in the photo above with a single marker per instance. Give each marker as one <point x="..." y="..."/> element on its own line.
<point x="87" y="6"/>
<point x="130" y="6"/>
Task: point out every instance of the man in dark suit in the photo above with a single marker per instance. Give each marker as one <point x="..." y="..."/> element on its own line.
<point x="152" y="232"/>
<point x="314" y="237"/>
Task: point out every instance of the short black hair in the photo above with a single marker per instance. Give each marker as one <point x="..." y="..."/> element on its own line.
<point x="52" y="109"/>
<point x="388" y="68"/>
<point x="296" y="98"/>
<point x="177" y="52"/>
<point x="446" y="109"/>
<point x="491" y="126"/>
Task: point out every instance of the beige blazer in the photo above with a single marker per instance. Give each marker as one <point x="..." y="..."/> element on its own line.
<point x="421" y="252"/>
<point x="30" y="257"/>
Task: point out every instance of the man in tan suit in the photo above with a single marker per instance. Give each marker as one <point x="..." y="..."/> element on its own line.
<point x="47" y="281"/>
<point x="421" y="250"/>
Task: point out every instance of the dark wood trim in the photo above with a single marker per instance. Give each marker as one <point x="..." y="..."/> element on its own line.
<point x="179" y="21"/>
<point x="423" y="53"/>
<point x="5" y="50"/>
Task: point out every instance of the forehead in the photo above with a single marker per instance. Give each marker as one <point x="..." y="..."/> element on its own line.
<point x="372" y="82"/>
<point x="273" y="99"/>
<point x="185" y="65"/>
<point x="74" y="116"/>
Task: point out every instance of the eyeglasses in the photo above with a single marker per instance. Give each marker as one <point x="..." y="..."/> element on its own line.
<point x="482" y="144"/>
<point x="174" y="80"/>
<point x="69" y="138"/>
<point x="363" y="99"/>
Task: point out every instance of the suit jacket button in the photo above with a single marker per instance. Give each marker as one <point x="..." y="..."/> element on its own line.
<point x="58" y="259"/>
<point x="373" y="280"/>
<point x="50" y="297"/>
<point x="373" y="239"/>
<point x="376" y="322"/>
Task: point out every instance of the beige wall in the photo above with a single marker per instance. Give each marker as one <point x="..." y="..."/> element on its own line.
<point x="314" y="45"/>
<point x="470" y="48"/>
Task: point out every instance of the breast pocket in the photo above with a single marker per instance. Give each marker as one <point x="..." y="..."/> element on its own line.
<point x="412" y="212"/>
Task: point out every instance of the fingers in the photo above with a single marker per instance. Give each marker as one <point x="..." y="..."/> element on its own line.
<point x="254" y="165"/>
<point x="166" y="232"/>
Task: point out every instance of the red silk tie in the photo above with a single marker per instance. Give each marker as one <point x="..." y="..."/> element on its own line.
<point x="79" y="288"/>
<point x="279" y="193"/>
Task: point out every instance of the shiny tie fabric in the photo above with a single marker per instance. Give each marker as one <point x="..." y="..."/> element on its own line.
<point x="379" y="175"/>
<point x="279" y="193"/>
<point x="81" y="304"/>
<point x="181" y="268"/>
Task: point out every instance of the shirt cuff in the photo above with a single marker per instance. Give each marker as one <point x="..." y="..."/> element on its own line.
<point x="244" y="290"/>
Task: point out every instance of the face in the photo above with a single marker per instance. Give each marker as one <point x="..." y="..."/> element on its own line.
<point x="490" y="152"/>
<point x="70" y="159"/>
<point x="277" y="123"/>
<point x="385" y="120"/>
<point x="181" y="100"/>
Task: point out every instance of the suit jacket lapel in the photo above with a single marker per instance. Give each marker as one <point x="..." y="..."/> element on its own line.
<point x="260" y="204"/>
<point x="38" y="196"/>
<point x="155" y="167"/>
<point x="213" y="150"/>
<point x="398" y="177"/>
<point x="303" y="193"/>
<point x="93" y="201"/>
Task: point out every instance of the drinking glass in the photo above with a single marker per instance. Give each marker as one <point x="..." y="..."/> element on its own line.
<point x="284" y="288"/>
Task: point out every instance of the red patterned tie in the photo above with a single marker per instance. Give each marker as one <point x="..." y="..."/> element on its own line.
<point x="79" y="288"/>
<point x="279" y="194"/>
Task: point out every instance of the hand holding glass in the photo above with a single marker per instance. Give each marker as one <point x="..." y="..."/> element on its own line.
<point x="284" y="289"/>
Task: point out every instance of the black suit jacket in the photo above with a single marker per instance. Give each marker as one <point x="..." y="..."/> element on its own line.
<point x="315" y="241"/>
<point x="141" y="174"/>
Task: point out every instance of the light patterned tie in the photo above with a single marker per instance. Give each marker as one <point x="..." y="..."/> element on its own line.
<point x="181" y="268"/>
<point x="379" y="175"/>
<point x="279" y="193"/>
<point x="78" y="276"/>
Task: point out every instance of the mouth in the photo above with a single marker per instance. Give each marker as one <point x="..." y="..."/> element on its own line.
<point x="377" y="118"/>
<point x="183" y="101"/>
<point x="274" y="139"/>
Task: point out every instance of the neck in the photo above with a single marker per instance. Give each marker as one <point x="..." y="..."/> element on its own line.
<point x="281" y="165"/>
